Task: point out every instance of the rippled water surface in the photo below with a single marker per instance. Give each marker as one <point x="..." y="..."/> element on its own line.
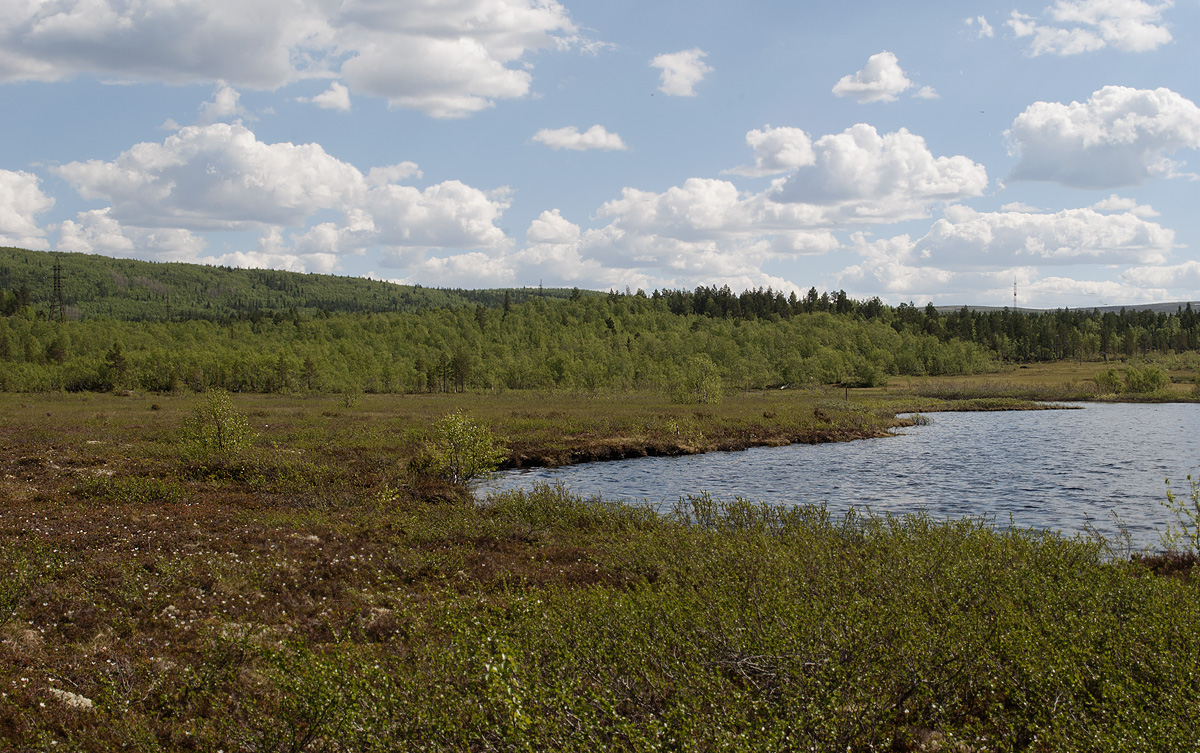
<point x="1054" y="469"/>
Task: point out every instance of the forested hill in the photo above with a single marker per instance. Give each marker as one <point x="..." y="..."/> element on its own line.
<point x="129" y="324"/>
<point x="130" y="290"/>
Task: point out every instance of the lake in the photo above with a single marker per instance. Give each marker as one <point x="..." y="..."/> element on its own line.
<point x="1055" y="469"/>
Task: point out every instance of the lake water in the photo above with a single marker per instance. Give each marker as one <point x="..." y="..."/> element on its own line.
<point x="1056" y="469"/>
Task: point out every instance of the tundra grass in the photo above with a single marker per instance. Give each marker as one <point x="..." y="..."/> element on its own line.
<point x="539" y="428"/>
<point x="319" y="594"/>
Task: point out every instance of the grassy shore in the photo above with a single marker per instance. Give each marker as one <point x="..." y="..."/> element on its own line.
<point x="318" y="591"/>
<point x="1062" y="380"/>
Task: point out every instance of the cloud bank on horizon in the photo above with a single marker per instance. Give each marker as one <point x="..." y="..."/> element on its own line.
<point x="914" y="156"/>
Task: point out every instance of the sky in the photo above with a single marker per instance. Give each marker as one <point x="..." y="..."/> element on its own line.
<point x="946" y="151"/>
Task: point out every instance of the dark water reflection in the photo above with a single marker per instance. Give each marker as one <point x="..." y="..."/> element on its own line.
<point x="1047" y="469"/>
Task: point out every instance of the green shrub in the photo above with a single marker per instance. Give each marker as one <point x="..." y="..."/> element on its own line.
<point x="217" y="430"/>
<point x="1146" y="380"/>
<point x="1108" y="382"/>
<point x="461" y="449"/>
<point x="701" y="383"/>
<point x="870" y="375"/>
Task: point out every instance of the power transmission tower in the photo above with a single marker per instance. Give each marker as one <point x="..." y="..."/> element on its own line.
<point x="58" y="310"/>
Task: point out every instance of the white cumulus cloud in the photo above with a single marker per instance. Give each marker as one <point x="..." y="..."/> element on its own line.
<point x="1078" y="26"/>
<point x="214" y="177"/>
<point x="707" y="231"/>
<point x="446" y="78"/>
<point x="1119" y="137"/>
<point x="225" y="104"/>
<point x="336" y="97"/>
<point x="700" y="233"/>
<point x="1115" y="203"/>
<point x="880" y="80"/>
<point x="473" y="269"/>
<point x="447" y="214"/>
<point x="448" y="59"/>
<point x="681" y="71"/>
<point x="965" y="237"/>
<point x="596" y="137"/>
<point x="776" y="150"/>
<point x="1058" y="258"/>
<point x="244" y="42"/>
<point x="314" y="263"/>
<point x="550" y="227"/>
<point x="553" y="254"/>
<point x="221" y="177"/>
<point x="707" y="208"/>
<point x="21" y="201"/>
<point x="1182" y="280"/>
<point x="889" y="270"/>
<point x="98" y="232"/>
<point x="646" y="260"/>
<point x="873" y="177"/>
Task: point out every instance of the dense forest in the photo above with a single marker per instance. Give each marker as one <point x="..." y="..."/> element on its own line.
<point x="587" y="343"/>
<point x="1019" y="336"/>
<point x="123" y="324"/>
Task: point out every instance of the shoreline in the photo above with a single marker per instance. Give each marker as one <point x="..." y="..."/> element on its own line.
<point x="628" y="448"/>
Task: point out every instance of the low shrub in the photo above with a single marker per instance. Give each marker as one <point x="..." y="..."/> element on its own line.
<point x="1109" y="382"/>
<point x="461" y="449"/>
<point x="216" y="429"/>
<point x="1146" y="380"/>
<point x="700" y="384"/>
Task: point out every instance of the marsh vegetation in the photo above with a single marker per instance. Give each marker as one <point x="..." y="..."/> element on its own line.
<point x="317" y="589"/>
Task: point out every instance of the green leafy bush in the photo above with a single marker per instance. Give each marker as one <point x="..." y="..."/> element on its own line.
<point x="217" y="430"/>
<point x="1108" y="382"/>
<point x="461" y="449"/>
<point x="870" y="375"/>
<point x="1146" y="380"/>
<point x="701" y="383"/>
<point x="1143" y="381"/>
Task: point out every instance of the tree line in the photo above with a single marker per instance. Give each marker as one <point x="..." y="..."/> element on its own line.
<point x="373" y="336"/>
<point x="590" y="343"/>
<point x="1018" y="336"/>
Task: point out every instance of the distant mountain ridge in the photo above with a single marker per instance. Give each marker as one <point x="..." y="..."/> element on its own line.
<point x="132" y="290"/>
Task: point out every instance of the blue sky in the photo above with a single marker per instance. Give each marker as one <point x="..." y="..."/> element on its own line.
<point x="934" y="151"/>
